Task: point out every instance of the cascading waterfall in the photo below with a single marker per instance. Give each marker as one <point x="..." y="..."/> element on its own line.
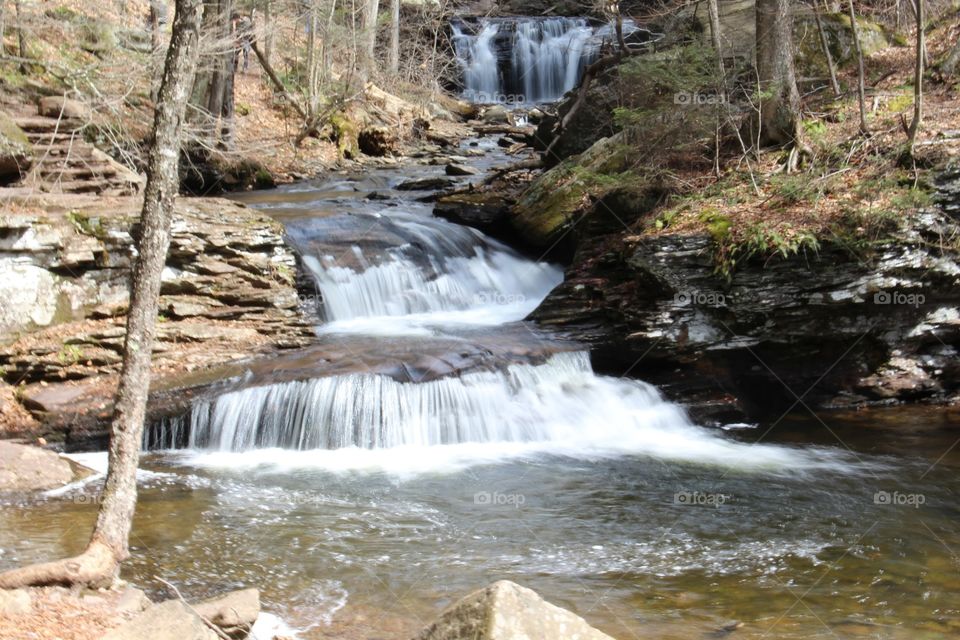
<point x="527" y="60"/>
<point x="361" y="420"/>
<point x="442" y="274"/>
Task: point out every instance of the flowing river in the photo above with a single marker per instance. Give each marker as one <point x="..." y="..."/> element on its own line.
<point x="457" y="444"/>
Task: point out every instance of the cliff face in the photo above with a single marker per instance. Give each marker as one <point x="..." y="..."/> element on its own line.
<point x="228" y="293"/>
<point x="824" y="329"/>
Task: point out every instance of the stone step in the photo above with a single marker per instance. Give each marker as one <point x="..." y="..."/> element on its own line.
<point x="42" y="138"/>
<point x="39" y="124"/>
<point x="104" y="171"/>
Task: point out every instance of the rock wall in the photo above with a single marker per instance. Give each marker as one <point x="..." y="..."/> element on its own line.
<point x="829" y="329"/>
<point x="228" y="293"/>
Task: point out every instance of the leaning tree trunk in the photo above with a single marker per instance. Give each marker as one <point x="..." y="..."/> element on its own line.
<point x="109" y="544"/>
<point x="780" y="100"/>
<point x="825" y="47"/>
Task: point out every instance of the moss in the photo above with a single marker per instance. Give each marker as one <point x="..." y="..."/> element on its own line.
<point x="344" y="133"/>
<point x="87" y="224"/>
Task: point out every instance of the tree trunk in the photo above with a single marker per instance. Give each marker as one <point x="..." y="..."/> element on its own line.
<point x="825" y="46"/>
<point x="917" y="79"/>
<point x="21" y="38"/>
<point x="369" y="27"/>
<point x="211" y="90"/>
<point x="861" y="97"/>
<point x="780" y="99"/>
<point x="714" y="12"/>
<point x="109" y="544"/>
<point x="393" y="63"/>
<point x="267" y="30"/>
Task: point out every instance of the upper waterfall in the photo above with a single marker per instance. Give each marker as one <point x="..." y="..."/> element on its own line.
<point x="524" y="60"/>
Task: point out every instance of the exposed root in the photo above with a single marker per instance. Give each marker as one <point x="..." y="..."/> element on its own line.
<point x="95" y="567"/>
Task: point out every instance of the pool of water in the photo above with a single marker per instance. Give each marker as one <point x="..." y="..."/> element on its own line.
<point x="640" y="545"/>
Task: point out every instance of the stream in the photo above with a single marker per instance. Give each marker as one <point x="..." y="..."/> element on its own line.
<point x="459" y="445"/>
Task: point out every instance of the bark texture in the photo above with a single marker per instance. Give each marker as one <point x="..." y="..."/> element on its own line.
<point x="780" y="99"/>
<point x="109" y="543"/>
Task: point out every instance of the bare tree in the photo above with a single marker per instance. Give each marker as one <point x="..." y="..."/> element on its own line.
<point x="109" y="543"/>
<point x="917" y="80"/>
<point x="780" y="99"/>
<point x="860" y="72"/>
<point x="714" y="12"/>
<point x="825" y="46"/>
<point x="369" y="26"/>
<point x="393" y="63"/>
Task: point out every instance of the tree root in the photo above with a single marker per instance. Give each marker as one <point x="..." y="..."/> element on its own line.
<point x="95" y="567"/>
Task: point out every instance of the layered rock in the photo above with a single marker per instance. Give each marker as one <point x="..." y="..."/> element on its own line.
<point x="824" y="329"/>
<point x="228" y="292"/>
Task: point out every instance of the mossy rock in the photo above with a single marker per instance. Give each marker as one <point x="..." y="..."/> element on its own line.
<point x="97" y="37"/>
<point x="836" y="26"/>
<point x="344" y="132"/>
<point x="16" y="152"/>
<point x="555" y="198"/>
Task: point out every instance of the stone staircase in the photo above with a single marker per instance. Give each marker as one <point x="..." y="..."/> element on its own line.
<point x="64" y="162"/>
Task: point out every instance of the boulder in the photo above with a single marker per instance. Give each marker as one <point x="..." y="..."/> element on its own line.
<point x="497" y="114"/>
<point x="234" y="613"/>
<point x="506" y="611"/>
<point x="425" y="184"/>
<point x="25" y="468"/>
<point x="16" y="153"/>
<point x="170" y="620"/>
<point x="59" y="106"/>
<point x="15" y="602"/>
<point x="454" y="169"/>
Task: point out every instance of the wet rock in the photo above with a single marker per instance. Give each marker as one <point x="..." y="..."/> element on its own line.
<point x="454" y="169"/>
<point x="24" y="468"/>
<point x="234" y="613"/>
<point x="14" y="602"/>
<point x="507" y="611"/>
<point x="484" y="210"/>
<point x="170" y="620"/>
<point x="425" y="184"/>
<point x="495" y="115"/>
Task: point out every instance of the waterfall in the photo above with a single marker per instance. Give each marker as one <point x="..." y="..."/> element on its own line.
<point x="439" y="274"/>
<point x="558" y="400"/>
<point x="527" y="60"/>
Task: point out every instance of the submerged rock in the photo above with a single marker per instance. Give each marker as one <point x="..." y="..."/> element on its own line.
<point x="506" y="611"/>
<point x="25" y="468"/>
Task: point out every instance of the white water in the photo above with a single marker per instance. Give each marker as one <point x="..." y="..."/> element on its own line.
<point x="371" y="423"/>
<point x="399" y="296"/>
<point x="527" y="60"/>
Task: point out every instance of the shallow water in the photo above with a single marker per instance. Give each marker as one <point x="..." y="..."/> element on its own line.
<point x="640" y="545"/>
<point x="362" y="487"/>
